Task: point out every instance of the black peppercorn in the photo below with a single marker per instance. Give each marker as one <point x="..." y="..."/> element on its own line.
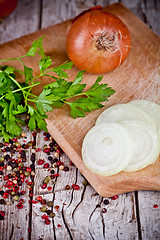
<point x="50" y="158"/>
<point x="52" y="171"/>
<point x="7" y="149"/>
<point x="2" y="201"/>
<point x="7" y="157"/>
<point x="66" y="169"/>
<point x="1" y="192"/>
<point x="1" y="217"/>
<point x="106" y="201"/>
<point x="49" y="212"/>
<point x="51" y="149"/>
<point x="48" y="135"/>
<point x="1" y="145"/>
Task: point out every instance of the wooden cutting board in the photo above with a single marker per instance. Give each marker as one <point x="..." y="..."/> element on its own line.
<point x="137" y="78"/>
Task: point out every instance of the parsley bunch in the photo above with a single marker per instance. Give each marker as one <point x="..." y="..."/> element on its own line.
<point x="16" y="97"/>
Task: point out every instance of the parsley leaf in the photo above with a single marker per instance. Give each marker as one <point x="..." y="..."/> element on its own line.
<point x="44" y="63"/>
<point x="17" y="97"/>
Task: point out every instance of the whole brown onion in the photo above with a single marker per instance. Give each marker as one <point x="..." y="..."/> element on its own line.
<point x="97" y="41"/>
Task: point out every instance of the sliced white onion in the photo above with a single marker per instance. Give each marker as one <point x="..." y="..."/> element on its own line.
<point x="147" y="145"/>
<point x="149" y="107"/>
<point x="122" y="112"/>
<point x="107" y="148"/>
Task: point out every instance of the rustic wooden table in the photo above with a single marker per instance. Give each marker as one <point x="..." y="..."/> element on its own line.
<point x="80" y="213"/>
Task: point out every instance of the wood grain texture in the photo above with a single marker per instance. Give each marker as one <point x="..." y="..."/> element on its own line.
<point x="147" y="217"/>
<point x="140" y="75"/>
<point x="24" y="20"/>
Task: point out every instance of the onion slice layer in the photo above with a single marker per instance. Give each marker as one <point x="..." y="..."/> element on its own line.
<point x="107" y="148"/>
<point x="122" y="112"/>
<point x="147" y="145"/>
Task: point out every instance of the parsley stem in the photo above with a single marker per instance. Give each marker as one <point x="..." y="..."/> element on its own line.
<point x="33" y="85"/>
<point x="11" y="59"/>
<point x="17" y="83"/>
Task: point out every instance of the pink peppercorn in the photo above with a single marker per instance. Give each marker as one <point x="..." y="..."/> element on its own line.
<point x="59" y="225"/>
<point x="6" y="178"/>
<point x="115" y="197"/>
<point x="44" y="216"/>
<point x="155" y="206"/>
<point x="58" y="150"/>
<point x="5" y="195"/>
<point x="59" y="163"/>
<point x="38" y="149"/>
<point x="28" y="169"/>
<point x="46" y="165"/>
<point x="2" y="213"/>
<point x="56" y="174"/>
<point x="47" y="221"/>
<point x="39" y="198"/>
<point x="75" y="187"/>
<point x="40" y="161"/>
<point x="44" y="186"/>
<point x="46" y="150"/>
<point x="49" y="188"/>
<point x="9" y="183"/>
<point x="19" y="205"/>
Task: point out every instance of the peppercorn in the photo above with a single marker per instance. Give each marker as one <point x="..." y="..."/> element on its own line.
<point x="85" y="182"/>
<point x="7" y="149"/>
<point x="66" y="169"/>
<point x="67" y="187"/>
<point x="48" y="135"/>
<point x="1" y="217"/>
<point x="16" y="197"/>
<point x="51" y="144"/>
<point x="52" y="171"/>
<point x="1" y="145"/>
<point x="43" y="209"/>
<point x="51" y="149"/>
<point x="43" y="201"/>
<point x="52" y="215"/>
<point x="49" y="212"/>
<point x="2" y="201"/>
<point x="19" y="182"/>
<point x="104" y="210"/>
<point x="106" y="201"/>
<point x="50" y="158"/>
<point x="27" y="173"/>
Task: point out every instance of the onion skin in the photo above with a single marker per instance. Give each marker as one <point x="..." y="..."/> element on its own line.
<point x="97" y="41"/>
<point x="7" y="7"/>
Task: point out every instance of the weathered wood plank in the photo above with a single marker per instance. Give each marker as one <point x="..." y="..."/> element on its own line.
<point x="149" y="213"/>
<point x="24" y="20"/>
<point x="81" y="213"/>
<point x="15" y="26"/>
<point x="57" y="11"/>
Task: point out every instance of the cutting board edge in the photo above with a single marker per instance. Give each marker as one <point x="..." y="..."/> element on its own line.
<point x="121" y="186"/>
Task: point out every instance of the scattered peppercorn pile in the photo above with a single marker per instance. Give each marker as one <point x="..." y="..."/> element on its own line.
<point x="16" y="172"/>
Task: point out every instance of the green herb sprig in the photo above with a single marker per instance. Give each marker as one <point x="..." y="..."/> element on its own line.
<point x="16" y="97"/>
